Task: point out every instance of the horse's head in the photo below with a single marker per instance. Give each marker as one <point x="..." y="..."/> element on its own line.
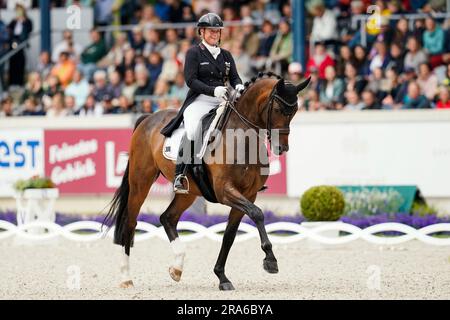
<point x="282" y="105"/>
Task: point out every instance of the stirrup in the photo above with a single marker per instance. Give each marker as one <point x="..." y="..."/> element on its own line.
<point x="179" y="179"/>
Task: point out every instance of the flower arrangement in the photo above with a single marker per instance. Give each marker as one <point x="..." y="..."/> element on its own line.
<point x="372" y="202"/>
<point x="35" y="182"/>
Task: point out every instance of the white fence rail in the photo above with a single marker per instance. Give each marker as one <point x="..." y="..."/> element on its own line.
<point x="149" y="231"/>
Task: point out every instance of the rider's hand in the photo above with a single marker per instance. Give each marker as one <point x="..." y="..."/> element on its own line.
<point x="220" y="92"/>
<point x="239" y="88"/>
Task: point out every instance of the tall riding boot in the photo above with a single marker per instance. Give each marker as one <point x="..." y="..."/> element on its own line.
<point x="181" y="166"/>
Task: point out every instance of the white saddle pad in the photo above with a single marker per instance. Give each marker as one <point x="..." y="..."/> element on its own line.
<point x="172" y="143"/>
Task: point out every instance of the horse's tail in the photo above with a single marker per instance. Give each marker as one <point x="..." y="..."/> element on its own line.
<point x="118" y="210"/>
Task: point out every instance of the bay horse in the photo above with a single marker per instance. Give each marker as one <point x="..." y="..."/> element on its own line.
<point x="267" y="103"/>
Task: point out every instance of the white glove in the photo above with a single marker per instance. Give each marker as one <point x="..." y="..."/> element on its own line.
<point x="220" y="92"/>
<point x="239" y="88"/>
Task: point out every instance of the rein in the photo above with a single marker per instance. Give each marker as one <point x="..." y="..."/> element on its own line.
<point x="269" y="104"/>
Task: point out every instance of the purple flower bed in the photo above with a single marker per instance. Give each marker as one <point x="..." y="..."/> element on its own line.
<point x="359" y="220"/>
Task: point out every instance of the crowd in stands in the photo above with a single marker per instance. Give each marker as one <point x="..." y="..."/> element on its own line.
<point x="399" y="65"/>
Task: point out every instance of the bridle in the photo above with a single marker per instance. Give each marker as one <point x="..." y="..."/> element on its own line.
<point x="269" y="104"/>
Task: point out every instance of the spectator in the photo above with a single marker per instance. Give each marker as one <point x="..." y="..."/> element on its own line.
<point x="57" y="107"/>
<point x="415" y="100"/>
<point x="243" y="62"/>
<point x="320" y="60"/>
<point x="64" y="69"/>
<point x="281" y="51"/>
<point x="92" y="54"/>
<point x="69" y="102"/>
<point x="433" y="41"/>
<point x="353" y="81"/>
<point x="79" y="89"/>
<point x="137" y="40"/>
<point x="332" y="90"/>
<point x="353" y="101"/>
<point x="324" y="24"/>
<point x="91" y="108"/>
<point x="33" y="87"/>
<point x="124" y="105"/>
<point x="401" y="33"/>
<point x="312" y="101"/>
<point x="115" y="85"/>
<point x="397" y="58"/>
<point x="266" y="39"/>
<point x="250" y="39"/>
<point x="381" y="58"/>
<point x="153" y="43"/>
<point x="369" y="101"/>
<point x="444" y="98"/>
<point x="103" y="12"/>
<point x="155" y="66"/>
<point x="360" y="60"/>
<point x="416" y="55"/>
<point x="171" y="45"/>
<point x="67" y="45"/>
<point x="32" y="108"/>
<point x="115" y="55"/>
<point x="144" y="87"/>
<point x="179" y="89"/>
<point x="427" y="81"/>
<point x="344" y="58"/>
<point x="100" y="88"/>
<point x="149" y="17"/>
<point x="128" y="61"/>
<point x="129" y="86"/>
<point x="19" y="30"/>
<point x="408" y="77"/>
<point x="170" y="66"/>
<point x="375" y="83"/>
<point x="44" y="65"/>
<point x="7" y="109"/>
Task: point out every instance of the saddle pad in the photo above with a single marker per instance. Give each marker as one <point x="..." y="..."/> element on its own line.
<point x="172" y="143"/>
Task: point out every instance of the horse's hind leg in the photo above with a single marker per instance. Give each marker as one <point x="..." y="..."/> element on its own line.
<point x="234" y="220"/>
<point x="142" y="174"/>
<point x="169" y="219"/>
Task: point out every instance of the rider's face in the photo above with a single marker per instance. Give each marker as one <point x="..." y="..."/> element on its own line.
<point x="211" y="35"/>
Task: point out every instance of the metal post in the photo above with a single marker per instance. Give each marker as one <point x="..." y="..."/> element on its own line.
<point x="46" y="44"/>
<point x="299" y="31"/>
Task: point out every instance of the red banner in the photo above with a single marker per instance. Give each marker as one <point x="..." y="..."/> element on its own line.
<point x="93" y="161"/>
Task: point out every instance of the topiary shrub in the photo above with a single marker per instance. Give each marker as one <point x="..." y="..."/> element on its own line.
<point x="34" y="182"/>
<point x="322" y="203"/>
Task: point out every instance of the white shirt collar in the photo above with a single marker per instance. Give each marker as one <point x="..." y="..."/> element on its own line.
<point x="214" y="50"/>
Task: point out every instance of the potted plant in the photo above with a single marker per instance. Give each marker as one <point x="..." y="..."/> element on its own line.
<point x="35" y="199"/>
<point x="322" y="205"/>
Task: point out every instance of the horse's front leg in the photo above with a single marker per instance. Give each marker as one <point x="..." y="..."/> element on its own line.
<point x="233" y="198"/>
<point x="234" y="220"/>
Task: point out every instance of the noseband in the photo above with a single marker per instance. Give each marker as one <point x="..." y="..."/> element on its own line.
<point x="269" y="104"/>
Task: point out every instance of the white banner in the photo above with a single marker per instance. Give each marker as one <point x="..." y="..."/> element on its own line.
<point x="21" y="157"/>
<point x="411" y="152"/>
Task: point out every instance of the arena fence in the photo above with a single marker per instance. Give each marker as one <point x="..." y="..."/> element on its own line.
<point x="291" y="232"/>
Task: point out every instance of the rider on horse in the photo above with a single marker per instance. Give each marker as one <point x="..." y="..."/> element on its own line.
<point x="207" y="70"/>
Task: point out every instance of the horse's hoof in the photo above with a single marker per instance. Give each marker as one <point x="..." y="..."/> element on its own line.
<point x="226" y="286"/>
<point x="175" y="274"/>
<point x="127" y="284"/>
<point x="271" y="266"/>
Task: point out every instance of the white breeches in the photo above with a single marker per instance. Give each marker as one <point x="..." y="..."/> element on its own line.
<point x="195" y="111"/>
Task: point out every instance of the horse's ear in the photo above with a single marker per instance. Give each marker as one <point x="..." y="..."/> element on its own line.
<point x="303" y="85"/>
<point x="280" y="85"/>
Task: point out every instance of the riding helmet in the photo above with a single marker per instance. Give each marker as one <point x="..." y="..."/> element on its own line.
<point x="210" y="20"/>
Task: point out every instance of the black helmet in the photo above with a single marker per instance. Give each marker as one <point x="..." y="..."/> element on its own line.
<point x="210" y="20"/>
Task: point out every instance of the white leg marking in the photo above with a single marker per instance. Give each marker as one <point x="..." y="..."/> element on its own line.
<point x="125" y="266"/>
<point x="179" y="250"/>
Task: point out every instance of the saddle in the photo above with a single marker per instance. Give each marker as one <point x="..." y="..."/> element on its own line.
<point x="214" y="119"/>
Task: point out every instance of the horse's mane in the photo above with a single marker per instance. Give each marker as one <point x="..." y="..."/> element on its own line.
<point x="261" y="75"/>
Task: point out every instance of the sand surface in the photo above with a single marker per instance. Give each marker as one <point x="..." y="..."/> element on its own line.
<point x="358" y="270"/>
